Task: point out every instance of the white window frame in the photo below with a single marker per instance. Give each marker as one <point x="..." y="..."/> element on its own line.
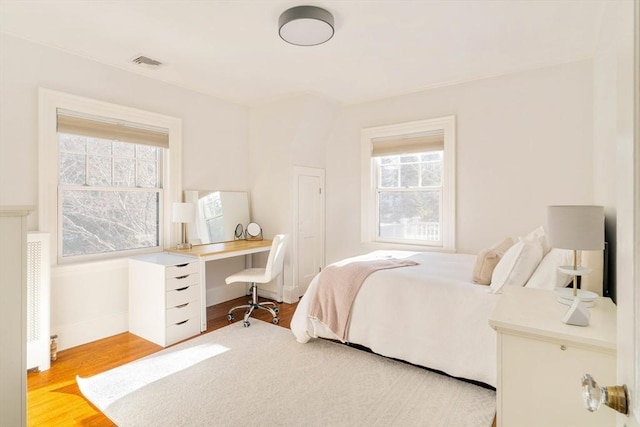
<point x="48" y="216"/>
<point x="369" y="212"/>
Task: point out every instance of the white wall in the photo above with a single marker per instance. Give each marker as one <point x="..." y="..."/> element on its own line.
<point x="90" y="301"/>
<point x="524" y="141"/>
<point x="531" y="133"/>
<point x="292" y="132"/>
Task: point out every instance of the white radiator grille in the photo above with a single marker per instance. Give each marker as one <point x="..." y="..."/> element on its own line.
<point x="38" y="297"/>
<point x="34" y="291"/>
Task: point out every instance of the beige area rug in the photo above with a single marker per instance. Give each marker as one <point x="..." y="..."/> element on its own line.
<point x="260" y="376"/>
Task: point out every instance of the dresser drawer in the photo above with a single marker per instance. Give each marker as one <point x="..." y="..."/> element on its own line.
<point x="179" y="332"/>
<point x="176" y="315"/>
<point x="178" y="297"/>
<point x="182" y="269"/>
<point x="181" y="282"/>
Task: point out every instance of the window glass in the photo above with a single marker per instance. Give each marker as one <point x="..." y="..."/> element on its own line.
<point x="109" y="195"/>
<point x="98" y="222"/>
<point x="409" y="197"/>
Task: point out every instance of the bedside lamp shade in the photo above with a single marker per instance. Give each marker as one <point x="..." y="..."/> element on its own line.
<point x="576" y="227"/>
<point x="183" y="213"/>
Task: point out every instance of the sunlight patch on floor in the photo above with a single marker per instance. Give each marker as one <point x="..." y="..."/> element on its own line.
<point x="146" y="371"/>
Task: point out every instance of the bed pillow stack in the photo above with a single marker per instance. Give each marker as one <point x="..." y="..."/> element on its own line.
<point x="520" y="261"/>
<point x="487" y="260"/>
<point x="547" y="275"/>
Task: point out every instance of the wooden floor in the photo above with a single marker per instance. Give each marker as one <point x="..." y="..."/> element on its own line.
<point x="53" y="397"/>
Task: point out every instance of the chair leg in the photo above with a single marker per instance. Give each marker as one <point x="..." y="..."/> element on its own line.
<point x="254" y="304"/>
<point x="269" y="309"/>
<point x="248" y="314"/>
<point x="269" y="303"/>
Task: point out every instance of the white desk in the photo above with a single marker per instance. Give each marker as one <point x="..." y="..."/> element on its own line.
<point x="216" y="251"/>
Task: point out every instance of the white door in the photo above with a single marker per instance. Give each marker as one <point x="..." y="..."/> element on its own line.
<point x="628" y="227"/>
<point x="308" y="239"/>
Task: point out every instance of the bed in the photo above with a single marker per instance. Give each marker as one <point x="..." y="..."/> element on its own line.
<point x="433" y="314"/>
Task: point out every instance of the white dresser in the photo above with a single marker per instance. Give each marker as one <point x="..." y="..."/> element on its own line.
<point x="164" y="297"/>
<point x="541" y="360"/>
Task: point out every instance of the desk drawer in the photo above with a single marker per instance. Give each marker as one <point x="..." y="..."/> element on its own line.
<point x="178" y="297"/>
<point x="182" y="282"/>
<point x="179" y="332"/>
<point x="182" y="312"/>
<point x="182" y="269"/>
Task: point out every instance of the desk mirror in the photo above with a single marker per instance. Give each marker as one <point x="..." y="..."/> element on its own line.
<point x="218" y="213"/>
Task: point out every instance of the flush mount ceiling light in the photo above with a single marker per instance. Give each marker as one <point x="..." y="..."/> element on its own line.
<point x="306" y="25"/>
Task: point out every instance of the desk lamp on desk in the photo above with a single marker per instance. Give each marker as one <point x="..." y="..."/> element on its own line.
<point x="183" y="213"/>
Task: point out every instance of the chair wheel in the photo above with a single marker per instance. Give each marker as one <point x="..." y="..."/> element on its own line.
<point x="276" y="320"/>
<point x="230" y="317"/>
<point x="246" y="324"/>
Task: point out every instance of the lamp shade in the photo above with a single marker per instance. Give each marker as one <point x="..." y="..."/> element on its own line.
<point x="306" y="25"/>
<point x="576" y="227"/>
<point x="183" y="212"/>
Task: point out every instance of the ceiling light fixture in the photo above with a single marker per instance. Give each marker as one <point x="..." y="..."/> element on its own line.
<point x="306" y="25"/>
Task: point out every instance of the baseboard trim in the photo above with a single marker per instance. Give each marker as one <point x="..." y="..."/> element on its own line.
<point x="219" y="294"/>
<point x="75" y="334"/>
<point x="291" y="295"/>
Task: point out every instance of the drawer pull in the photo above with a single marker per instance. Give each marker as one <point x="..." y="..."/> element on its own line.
<point x="182" y="289"/>
<point x="182" y="277"/>
<point x="182" y="265"/>
<point x="563" y="347"/>
<point x="182" y="305"/>
<point x="183" y="322"/>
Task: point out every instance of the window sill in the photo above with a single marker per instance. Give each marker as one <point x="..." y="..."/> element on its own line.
<point x="405" y="247"/>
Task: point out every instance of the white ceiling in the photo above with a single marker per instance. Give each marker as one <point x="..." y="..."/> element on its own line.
<point x="231" y="49"/>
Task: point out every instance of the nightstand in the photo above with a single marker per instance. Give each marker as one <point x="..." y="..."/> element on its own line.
<point x="541" y="360"/>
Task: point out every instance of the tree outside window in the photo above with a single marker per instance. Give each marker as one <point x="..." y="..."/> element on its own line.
<point x="109" y="195"/>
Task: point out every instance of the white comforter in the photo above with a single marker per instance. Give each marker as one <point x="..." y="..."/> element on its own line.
<point x="431" y="315"/>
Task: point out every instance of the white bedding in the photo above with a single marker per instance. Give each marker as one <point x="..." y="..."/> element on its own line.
<point x="431" y="315"/>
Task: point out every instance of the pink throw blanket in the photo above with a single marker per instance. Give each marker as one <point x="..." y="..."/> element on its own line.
<point x="337" y="288"/>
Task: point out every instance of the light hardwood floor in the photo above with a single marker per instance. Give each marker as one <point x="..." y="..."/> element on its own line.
<point x="53" y="397"/>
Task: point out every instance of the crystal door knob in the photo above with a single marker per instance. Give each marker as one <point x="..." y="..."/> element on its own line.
<point x="615" y="397"/>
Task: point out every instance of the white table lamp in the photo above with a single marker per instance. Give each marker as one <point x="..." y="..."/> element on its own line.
<point x="183" y="213"/>
<point x="578" y="228"/>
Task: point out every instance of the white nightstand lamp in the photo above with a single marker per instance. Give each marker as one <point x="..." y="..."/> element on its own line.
<point x="578" y="228"/>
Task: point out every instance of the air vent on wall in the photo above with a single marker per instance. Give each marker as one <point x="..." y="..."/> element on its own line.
<point x="147" y="62"/>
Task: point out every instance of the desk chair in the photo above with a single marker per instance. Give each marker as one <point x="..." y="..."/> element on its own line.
<point x="273" y="269"/>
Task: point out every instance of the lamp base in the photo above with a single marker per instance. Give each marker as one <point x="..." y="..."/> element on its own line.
<point x="184" y="246"/>
<point x="565" y="296"/>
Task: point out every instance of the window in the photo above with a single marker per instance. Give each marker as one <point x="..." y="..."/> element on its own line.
<point x="408" y="184"/>
<point x="108" y="175"/>
<point x="409" y="196"/>
<point x="109" y="195"/>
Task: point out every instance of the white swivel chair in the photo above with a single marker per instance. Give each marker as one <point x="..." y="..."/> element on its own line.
<point x="274" y="267"/>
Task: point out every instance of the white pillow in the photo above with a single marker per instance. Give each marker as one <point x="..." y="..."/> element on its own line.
<point x="517" y="264"/>
<point x="541" y="236"/>
<point x="547" y="275"/>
